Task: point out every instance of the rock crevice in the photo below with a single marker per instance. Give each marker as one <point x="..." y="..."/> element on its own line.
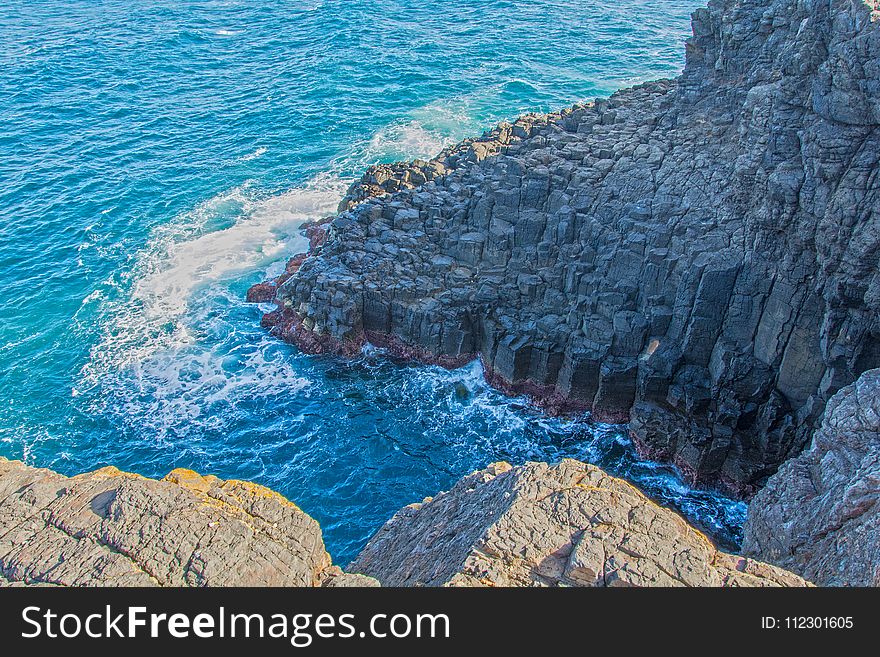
<point x="819" y="515"/>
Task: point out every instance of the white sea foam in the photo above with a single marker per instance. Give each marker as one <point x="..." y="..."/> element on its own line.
<point x="160" y="362"/>
<point x="405" y="140"/>
<point x="181" y="390"/>
<point x="484" y="403"/>
<point x="28" y="439"/>
<point x="253" y="156"/>
<point x="152" y="358"/>
<point x="229" y="234"/>
<point x="265" y="232"/>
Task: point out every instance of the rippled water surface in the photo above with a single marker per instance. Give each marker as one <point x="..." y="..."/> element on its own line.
<point x="156" y="159"/>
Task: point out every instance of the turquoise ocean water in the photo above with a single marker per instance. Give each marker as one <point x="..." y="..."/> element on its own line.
<point x="156" y="158"/>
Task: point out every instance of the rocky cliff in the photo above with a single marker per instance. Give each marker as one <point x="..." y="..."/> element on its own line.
<point x="697" y="256"/>
<point x="112" y="528"/>
<point x="819" y="515"/>
<point x="568" y="524"/>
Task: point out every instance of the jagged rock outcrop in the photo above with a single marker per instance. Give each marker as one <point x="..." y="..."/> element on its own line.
<point x="819" y="515"/>
<point x="697" y="256"/>
<point x="568" y="524"/>
<point x="112" y="528"/>
<point x="383" y="179"/>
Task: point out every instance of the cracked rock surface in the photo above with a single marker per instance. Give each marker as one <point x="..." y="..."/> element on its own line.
<point x="820" y="514"/>
<point x="112" y="528"/>
<point x="697" y="256"/>
<point x="568" y="524"/>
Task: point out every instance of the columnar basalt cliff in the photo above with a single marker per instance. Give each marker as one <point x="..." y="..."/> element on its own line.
<point x="568" y="524"/>
<point x="697" y="256"/>
<point x="112" y="528"/>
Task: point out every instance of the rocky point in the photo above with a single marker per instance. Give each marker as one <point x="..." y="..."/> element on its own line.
<point x="695" y="256"/>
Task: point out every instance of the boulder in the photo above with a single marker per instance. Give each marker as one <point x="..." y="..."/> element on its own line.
<point x="113" y="528"/>
<point x="568" y="524"/>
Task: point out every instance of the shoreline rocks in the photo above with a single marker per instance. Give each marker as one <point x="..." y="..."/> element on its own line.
<point x="697" y="256"/>
<point x="568" y="524"/>
<point x="565" y="524"/>
<point x="113" y="528"/>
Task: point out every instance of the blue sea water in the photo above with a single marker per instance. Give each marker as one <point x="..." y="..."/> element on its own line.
<point x="156" y="158"/>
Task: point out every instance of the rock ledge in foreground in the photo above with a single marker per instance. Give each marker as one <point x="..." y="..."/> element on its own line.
<point x="112" y="528"/>
<point x="569" y="524"/>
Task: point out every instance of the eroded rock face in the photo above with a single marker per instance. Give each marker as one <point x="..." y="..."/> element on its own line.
<point x="698" y="256"/>
<point x="820" y="514"/>
<point x="111" y="528"/>
<point x="548" y="525"/>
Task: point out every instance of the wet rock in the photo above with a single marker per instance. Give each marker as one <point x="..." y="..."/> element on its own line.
<point x="568" y="524"/>
<point x="707" y="245"/>
<point x="819" y="515"/>
<point x="462" y="393"/>
<point x="261" y="292"/>
<point x="112" y="528"/>
<point x="316" y="231"/>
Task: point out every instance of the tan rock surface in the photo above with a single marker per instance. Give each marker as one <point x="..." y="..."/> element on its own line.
<point x="550" y="525"/>
<point x="111" y="528"/>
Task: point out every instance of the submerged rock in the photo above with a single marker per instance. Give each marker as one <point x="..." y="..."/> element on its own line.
<point x="569" y="524"/>
<point x="112" y="528"/>
<point x="697" y="255"/>
<point x="819" y="515"/>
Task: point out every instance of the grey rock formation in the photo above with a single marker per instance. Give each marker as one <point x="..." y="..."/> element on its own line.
<point x="568" y="524"/>
<point x="389" y="178"/>
<point x="820" y="514"/>
<point x="111" y="528"/>
<point x="697" y="256"/>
